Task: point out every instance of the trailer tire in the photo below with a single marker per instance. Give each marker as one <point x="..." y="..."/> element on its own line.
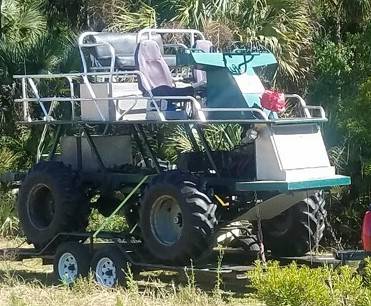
<point x="289" y="234"/>
<point x="177" y="220"/>
<point x="71" y="260"/>
<point x="50" y="202"/>
<point x="109" y="267"/>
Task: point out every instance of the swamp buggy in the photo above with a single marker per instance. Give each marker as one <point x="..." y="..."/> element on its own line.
<point x="95" y="151"/>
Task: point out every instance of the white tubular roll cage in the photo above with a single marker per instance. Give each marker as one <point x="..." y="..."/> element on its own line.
<point x="259" y="116"/>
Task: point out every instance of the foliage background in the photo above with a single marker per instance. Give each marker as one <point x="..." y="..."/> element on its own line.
<point x="323" y="48"/>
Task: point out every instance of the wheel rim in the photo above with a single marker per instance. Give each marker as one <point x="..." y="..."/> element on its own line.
<point x="166" y="220"/>
<point x="41" y="206"/>
<point x="105" y="272"/>
<point x="67" y="268"/>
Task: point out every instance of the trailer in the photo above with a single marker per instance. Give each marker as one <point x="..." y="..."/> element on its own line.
<point x="115" y="256"/>
<point x="96" y="151"/>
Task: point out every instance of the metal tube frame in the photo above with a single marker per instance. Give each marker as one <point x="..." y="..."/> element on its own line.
<point x="200" y="111"/>
<point x="55" y="142"/>
<point x="207" y="149"/>
<point x="191" y="32"/>
<point x="141" y="132"/>
<point x="140" y="147"/>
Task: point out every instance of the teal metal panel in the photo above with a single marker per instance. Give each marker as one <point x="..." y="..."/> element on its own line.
<point x="282" y="186"/>
<point x="206" y="61"/>
<point x="223" y="90"/>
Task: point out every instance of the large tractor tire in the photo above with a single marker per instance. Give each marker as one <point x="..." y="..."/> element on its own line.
<point x="177" y="219"/>
<point x="50" y="202"/>
<point x="297" y="229"/>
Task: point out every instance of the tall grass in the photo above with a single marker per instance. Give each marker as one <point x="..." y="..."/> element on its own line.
<point x="145" y="290"/>
<point x="9" y="223"/>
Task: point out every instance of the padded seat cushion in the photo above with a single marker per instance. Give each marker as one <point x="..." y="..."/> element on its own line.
<point x="125" y="45"/>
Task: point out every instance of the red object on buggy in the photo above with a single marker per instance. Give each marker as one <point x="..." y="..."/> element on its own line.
<point x="273" y="101"/>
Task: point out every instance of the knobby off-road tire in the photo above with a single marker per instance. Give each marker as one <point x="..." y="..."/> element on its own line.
<point x="177" y="220"/>
<point x="50" y="202"/>
<point x="289" y="234"/>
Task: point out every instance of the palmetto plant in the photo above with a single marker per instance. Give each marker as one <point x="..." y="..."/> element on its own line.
<point x="27" y="45"/>
<point x="283" y="27"/>
<point x="131" y="16"/>
<point x="8" y="159"/>
<point x="22" y="27"/>
<point x="219" y="137"/>
<point x="196" y="13"/>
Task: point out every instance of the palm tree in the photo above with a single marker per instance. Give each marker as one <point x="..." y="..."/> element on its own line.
<point x="27" y="45"/>
<point x="22" y="28"/>
<point x="284" y="27"/>
<point x="1" y="4"/>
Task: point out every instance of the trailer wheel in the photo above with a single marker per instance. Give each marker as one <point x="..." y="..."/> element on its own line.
<point x="289" y="234"/>
<point x="72" y="260"/>
<point x="109" y="266"/>
<point x="177" y="220"/>
<point x="50" y="202"/>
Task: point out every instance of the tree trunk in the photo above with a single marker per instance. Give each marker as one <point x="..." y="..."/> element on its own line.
<point x="1" y="16"/>
<point x="338" y="24"/>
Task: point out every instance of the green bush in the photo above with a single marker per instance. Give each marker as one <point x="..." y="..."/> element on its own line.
<point x="295" y="285"/>
<point x="116" y="224"/>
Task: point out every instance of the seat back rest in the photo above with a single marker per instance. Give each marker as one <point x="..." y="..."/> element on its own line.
<point x="150" y="62"/>
<point x="124" y="44"/>
<point x="204" y="45"/>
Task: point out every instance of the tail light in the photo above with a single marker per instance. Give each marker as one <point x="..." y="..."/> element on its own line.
<point x="366" y="232"/>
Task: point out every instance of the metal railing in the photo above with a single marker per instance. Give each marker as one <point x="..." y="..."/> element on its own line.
<point x="29" y="87"/>
<point x="191" y="32"/>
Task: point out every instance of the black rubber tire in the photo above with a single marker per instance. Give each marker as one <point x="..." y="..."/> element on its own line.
<point x="197" y="214"/>
<point x="293" y="237"/>
<point x="68" y="212"/>
<point x="248" y="244"/>
<point x="119" y="262"/>
<point x="81" y="254"/>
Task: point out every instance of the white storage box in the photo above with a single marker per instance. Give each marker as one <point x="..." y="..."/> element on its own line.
<point x="89" y="111"/>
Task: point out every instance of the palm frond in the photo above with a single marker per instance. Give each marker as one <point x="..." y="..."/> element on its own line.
<point x="219" y="137"/>
<point x="196" y="13"/>
<point x="8" y="159"/>
<point x="283" y="27"/>
<point x="22" y="25"/>
<point x="126" y="18"/>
